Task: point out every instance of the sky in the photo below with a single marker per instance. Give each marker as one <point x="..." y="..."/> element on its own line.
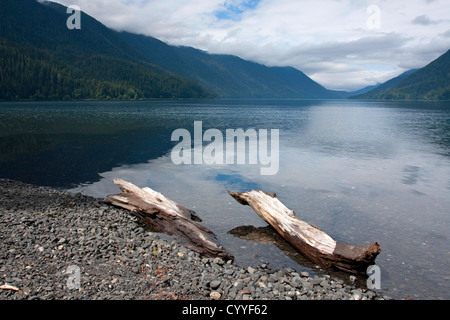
<point x="341" y="44"/>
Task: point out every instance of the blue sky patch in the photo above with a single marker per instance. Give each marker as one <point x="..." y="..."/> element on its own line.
<point x="233" y="10"/>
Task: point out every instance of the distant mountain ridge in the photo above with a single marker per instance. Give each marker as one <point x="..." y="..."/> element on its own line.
<point x="99" y="63"/>
<point x="429" y="83"/>
<point x="43" y="59"/>
<point x="373" y="93"/>
<point x="229" y="76"/>
<point x="364" y="90"/>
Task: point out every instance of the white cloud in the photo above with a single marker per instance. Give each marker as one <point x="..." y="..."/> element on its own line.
<point x="333" y="41"/>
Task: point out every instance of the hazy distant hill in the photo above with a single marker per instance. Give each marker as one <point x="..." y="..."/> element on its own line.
<point x="372" y="94"/>
<point x="364" y="90"/>
<point x="429" y="83"/>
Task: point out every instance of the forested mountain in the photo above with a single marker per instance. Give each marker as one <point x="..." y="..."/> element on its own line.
<point x="43" y="59"/>
<point x="371" y="94"/>
<point x="429" y="83"/>
<point x="227" y="75"/>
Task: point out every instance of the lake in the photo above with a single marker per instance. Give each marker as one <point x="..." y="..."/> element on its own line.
<point x="361" y="171"/>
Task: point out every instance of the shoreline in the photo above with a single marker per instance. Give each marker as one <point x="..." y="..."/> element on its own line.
<point x="62" y="246"/>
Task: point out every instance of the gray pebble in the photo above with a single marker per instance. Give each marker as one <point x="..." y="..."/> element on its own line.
<point x="61" y="236"/>
<point x="214" y="284"/>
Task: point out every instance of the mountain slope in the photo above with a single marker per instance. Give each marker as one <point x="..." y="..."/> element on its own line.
<point x="229" y="76"/>
<point x="372" y="94"/>
<point x="363" y="90"/>
<point x="98" y="63"/>
<point x="429" y="83"/>
<point x="43" y="26"/>
<point x="46" y="60"/>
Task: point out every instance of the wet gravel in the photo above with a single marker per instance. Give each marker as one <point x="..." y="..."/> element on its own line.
<point x="56" y="245"/>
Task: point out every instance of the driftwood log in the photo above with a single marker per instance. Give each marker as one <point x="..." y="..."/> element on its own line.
<point x="309" y="240"/>
<point x="167" y="216"/>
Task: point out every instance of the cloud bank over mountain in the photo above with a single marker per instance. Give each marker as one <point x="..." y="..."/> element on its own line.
<point x="343" y="45"/>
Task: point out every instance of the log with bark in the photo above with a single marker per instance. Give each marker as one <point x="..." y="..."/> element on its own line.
<point x="309" y="240"/>
<point x="167" y="216"/>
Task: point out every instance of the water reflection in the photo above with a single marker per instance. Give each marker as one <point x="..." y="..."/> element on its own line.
<point x="361" y="171"/>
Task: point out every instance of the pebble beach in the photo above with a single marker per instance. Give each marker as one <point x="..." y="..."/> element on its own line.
<point x="56" y="245"/>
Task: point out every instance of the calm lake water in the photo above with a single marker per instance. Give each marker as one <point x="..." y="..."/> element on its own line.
<point x="361" y="171"/>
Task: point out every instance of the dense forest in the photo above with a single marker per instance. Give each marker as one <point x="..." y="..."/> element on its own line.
<point x="27" y="73"/>
<point x="42" y="60"/>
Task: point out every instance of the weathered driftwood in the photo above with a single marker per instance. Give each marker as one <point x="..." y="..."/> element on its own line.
<point x="309" y="240"/>
<point x="167" y="216"/>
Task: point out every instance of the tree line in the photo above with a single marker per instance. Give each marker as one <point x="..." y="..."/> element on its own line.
<point x="28" y="73"/>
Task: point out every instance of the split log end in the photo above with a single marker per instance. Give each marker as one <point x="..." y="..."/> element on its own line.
<point x="238" y="197"/>
<point x="355" y="259"/>
<point x="242" y="198"/>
